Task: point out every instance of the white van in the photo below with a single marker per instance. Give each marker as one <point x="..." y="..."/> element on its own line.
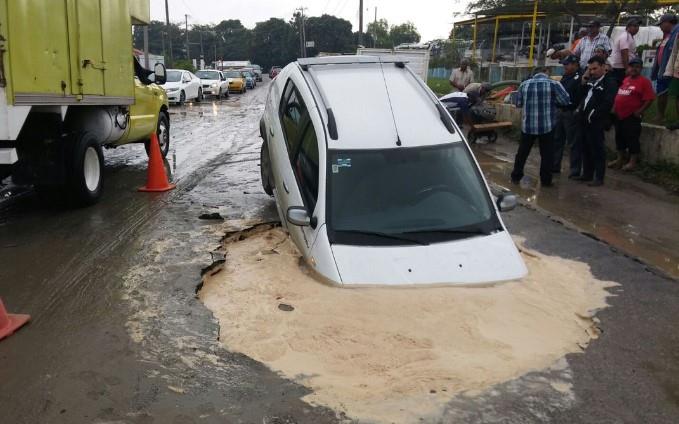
<point x="374" y="181"/>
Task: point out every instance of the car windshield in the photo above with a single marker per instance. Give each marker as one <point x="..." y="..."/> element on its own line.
<point x="233" y="74"/>
<point x="247" y="74"/>
<point x="208" y="75"/>
<point x="174" y="76"/>
<point x="390" y="196"/>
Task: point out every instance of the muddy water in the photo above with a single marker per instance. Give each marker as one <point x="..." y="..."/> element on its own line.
<point x="396" y="355"/>
<point x="635" y="217"/>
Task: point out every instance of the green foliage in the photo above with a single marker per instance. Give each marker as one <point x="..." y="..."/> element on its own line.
<point x="440" y="86"/>
<point x="404" y="33"/>
<point x="330" y="34"/>
<point x="184" y="64"/>
<point x="379" y="33"/>
<point x="274" y="42"/>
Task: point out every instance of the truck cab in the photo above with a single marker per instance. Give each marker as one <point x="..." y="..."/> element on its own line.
<point x="71" y="88"/>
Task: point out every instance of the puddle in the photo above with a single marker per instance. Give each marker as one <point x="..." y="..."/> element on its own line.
<point x="617" y="213"/>
<point x="395" y="354"/>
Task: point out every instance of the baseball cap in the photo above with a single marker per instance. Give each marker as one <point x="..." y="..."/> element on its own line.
<point x="571" y="58"/>
<point x="634" y="21"/>
<point x="668" y="17"/>
<point x="635" y="61"/>
<point x="594" y="22"/>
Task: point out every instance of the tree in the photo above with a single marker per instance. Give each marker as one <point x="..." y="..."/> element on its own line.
<point x="330" y="34"/>
<point x="404" y="33"/>
<point x="234" y="41"/>
<point x="274" y="42"/>
<point x="379" y="32"/>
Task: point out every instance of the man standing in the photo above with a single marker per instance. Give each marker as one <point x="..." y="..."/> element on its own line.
<point x="634" y="96"/>
<point x="463" y="76"/>
<point x="624" y="47"/>
<point x="667" y="23"/>
<point x="595" y="113"/>
<point x="585" y="48"/>
<point x="567" y="131"/>
<point x="539" y="97"/>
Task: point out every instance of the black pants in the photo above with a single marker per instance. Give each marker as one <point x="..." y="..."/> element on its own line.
<point x="594" y="152"/>
<point x="567" y="134"/>
<point x="627" y="133"/>
<point x="546" y="155"/>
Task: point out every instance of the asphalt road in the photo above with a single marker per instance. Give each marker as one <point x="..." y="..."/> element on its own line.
<point x="118" y="335"/>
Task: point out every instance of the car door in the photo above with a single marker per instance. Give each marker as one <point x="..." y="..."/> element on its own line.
<point x="195" y="81"/>
<point x="295" y="159"/>
<point x="186" y="85"/>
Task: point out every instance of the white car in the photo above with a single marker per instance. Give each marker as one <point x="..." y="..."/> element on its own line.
<point x="376" y="185"/>
<point x="182" y="86"/>
<point x="213" y="83"/>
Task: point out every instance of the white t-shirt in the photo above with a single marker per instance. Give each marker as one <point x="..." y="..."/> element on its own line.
<point x="624" y="41"/>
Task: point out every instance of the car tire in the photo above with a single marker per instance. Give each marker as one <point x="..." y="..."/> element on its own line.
<point x="163" y="133"/>
<point x="265" y="169"/>
<point x="182" y="98"/>
<point x="84" y="169"/>
<point x="200" y="96"/>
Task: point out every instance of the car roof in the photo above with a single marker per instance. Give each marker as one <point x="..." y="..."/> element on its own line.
<point x="377" y="102"/>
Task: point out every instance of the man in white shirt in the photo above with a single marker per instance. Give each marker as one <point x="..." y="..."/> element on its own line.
<point x="585" y="48"/>
<point x="624" y="47"/>
<point x="463" y="76"/>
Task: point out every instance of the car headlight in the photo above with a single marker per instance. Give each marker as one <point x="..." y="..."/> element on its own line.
<point x="214" y="85"/>
<point x="230" y="80"/>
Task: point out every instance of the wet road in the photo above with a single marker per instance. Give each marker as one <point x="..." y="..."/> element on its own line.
<point x="119" y="336"/>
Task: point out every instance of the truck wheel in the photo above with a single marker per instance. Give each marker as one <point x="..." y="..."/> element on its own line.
<point x="163" y="133"/>
<point x="200" y="95"/>
<point x="182" y="98"/>
<point x="265" y="169"/>
<point x="85" y="169"/>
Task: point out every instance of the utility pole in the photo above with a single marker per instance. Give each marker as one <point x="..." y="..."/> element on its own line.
<point x="186" y="23"/>
<point x="375" y="29"/>
<point x="302" y="31"/>
<point x="360" y="22"/>
<point x="202" y="56"/>
<point x="169" y="34"/>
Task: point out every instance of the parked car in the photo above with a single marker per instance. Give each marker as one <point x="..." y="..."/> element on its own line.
<point x="390" y="197"/>
<point x="213" y="83"/>
<point x="250" y="81"/>
<point x="258" y="72"/>
<point x="182" y="86"/>
<point x="236" y="81"/>
<point x="274" y="71"/>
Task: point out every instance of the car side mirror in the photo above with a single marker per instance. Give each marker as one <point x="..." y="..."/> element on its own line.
<point x="160" y="73"/>
<point x="298" y="215"/>
<point x="506" y="202"/>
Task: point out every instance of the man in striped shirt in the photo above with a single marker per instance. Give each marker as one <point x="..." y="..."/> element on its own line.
<point x="585" y="48"/>
<point x="539" y="98"/>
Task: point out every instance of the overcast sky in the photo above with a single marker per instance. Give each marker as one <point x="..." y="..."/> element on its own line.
<point x="432" y="18"/>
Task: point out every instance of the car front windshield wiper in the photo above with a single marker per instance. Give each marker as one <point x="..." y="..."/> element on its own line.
<point x="472" y="231"/>
<point x="395" y="236"/>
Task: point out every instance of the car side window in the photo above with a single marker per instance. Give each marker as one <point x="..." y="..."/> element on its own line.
<point x="293" y="113"/>
<point x="305" y="166"/>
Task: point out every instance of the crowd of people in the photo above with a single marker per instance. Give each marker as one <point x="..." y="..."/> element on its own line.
<point x="602" y="87"/>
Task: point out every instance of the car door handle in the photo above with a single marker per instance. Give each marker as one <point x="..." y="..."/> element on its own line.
<point x="285" y="187"/>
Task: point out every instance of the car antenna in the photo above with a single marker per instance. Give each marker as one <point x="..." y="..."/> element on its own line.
<point x="391" y="108"/>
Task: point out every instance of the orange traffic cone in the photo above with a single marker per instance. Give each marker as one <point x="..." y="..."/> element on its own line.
<point x="156" y="179"/>
<point x="9" y="323"/>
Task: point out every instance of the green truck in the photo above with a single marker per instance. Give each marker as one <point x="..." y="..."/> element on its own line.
<point x="69" y="85"/>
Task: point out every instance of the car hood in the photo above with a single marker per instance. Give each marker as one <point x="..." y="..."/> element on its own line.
<point x="209" y="81"/>
<point x="170" y="85"/>
<point x="476" y="260"/>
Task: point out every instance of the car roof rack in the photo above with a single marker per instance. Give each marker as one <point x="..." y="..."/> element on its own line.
<point x="347" y="60"/>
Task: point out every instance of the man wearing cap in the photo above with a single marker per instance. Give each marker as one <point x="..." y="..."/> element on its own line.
<point x="461" y="77"/>
<point x="672" y="72"/>
<point x="634" y="96"/>
<point x="624" y="47"/>
<point x="668" y="25"/>
<point x="566" y="132"/>
<point x="538" y="97"/>
<point x="585" y="48"/>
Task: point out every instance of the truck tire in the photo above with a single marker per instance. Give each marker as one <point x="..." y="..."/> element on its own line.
<point x="163" y="133"/>
<point x="84" y="169"/>
<point x="265" y="169"/>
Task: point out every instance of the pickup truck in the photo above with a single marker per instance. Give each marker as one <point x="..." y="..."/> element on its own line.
<point x="69" y="86"/>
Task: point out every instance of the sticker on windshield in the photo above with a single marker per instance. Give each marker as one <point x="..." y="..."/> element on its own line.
<point x="335" y="169"/>
<point x="344" y="163"/>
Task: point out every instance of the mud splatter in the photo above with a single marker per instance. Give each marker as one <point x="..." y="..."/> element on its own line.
<point x="390" y="354"/>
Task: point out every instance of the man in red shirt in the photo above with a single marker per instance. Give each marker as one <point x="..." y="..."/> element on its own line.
<point x="634" y="96"/>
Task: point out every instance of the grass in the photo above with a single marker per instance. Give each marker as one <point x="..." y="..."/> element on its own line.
<point x="664" y="174"/>
<point x="440" y="86"/>
<point x="651" y="115"/>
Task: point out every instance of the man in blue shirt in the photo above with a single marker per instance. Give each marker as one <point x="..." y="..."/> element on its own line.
<point x="539" y="98"/>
